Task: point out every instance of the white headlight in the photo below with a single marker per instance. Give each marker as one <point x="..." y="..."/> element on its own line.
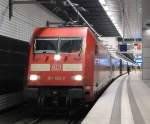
<point x="78" y="77"/>
<point x="57" y="57"/>
<point x="34" y="77"/>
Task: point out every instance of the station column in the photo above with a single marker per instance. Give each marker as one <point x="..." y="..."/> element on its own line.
<point x="146" y="39"/>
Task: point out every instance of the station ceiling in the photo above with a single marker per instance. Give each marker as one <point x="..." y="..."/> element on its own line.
<point x="91" y="10"/>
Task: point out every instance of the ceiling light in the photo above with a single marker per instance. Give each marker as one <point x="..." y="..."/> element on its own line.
<point x="109" y="13"/>
<point x="118" y="27"/>
<point x="114" y="22"/>
<point x="106" y="8"/>
<point x="115" y="25"/>
<point x="103" y="2"/>
<point x="112" y="18"/>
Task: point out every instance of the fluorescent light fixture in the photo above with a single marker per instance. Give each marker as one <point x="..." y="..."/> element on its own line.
<point x="109" y="13"/>
<point x="112" y="18"/>
<point x="103" y="2"/>
<point x="115" y="25"/>
<point x="120" y="33"/>
<point x="106" y="8"/>
<point x="114" y="22"/>
<point x="118" y="27"/>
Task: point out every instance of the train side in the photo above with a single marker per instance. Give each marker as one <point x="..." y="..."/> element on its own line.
<point x="124" y="67"/>
<point x="102" y="68"/>
<point x="69" y="63"/>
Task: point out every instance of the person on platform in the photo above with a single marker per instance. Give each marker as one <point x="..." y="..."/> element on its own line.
<point x="128" y="70"/>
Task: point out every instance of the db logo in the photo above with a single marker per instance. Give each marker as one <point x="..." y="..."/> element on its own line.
<point x="56" y="67"/>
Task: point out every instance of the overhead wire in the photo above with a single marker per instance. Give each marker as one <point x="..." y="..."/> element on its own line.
<point x="125" y="19"/>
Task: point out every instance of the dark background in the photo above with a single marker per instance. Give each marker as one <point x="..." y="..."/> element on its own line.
<point x="13" y="61"/>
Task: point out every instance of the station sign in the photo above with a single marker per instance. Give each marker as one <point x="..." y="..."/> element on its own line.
<point x="123" y="47"/>
<point x="129" y="39"/>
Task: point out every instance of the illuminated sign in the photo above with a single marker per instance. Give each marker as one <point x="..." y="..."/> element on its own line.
<point x="123" y="47"/>
<point x="138" y="60"/>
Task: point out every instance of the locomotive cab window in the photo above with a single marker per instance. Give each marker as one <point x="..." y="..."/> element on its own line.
<point x="53" y="45"/>
<point x="46" y="45"/>
<point x="69" y="45"/>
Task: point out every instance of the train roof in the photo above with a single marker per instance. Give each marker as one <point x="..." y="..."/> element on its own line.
<point x="78" y="31"/>
<point x="67" y="27"/>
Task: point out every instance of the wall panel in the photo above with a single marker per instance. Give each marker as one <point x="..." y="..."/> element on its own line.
<point x="14" y="38"/>
<point x="13" y="54"/>
<point x="146" y="55"/>
<point x="25" y="19"/>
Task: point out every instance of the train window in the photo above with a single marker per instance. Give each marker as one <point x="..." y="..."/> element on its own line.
<point x="70" y="45"/>
<point x="46" y="45"/>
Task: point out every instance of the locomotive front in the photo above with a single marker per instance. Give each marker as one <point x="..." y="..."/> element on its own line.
<point x="56" y="64"/>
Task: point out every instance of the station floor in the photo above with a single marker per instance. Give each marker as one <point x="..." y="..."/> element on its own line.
<point x="126" y="101"/>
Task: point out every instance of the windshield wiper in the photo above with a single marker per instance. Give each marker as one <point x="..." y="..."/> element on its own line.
<point x="80" y="50"/>
<point x="58" y="46"/>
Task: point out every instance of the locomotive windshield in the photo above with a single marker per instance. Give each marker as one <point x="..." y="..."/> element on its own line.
<point x="64" y="45"/>
<point x="69" y="45"/>
<point x="46" y="45"/>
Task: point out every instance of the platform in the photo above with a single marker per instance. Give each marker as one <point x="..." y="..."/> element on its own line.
<point x="126" y="101"/>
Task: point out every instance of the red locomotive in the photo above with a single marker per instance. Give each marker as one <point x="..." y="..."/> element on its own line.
<point x="68" y="63"/>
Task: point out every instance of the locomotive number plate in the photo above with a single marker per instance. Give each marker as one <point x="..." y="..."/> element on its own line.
<point x="56" y="67"/>
<point x="56" y="78"/>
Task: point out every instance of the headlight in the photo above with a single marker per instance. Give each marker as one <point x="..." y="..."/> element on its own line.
<point x="34" y="77"/>
<point x="57" y="57"/>
<point x="78" y="77"/>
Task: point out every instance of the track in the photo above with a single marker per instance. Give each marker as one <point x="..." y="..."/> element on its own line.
<point x="49" y="120"/>
<point x="28" y="113"/>
<point x="77" y="114"/>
